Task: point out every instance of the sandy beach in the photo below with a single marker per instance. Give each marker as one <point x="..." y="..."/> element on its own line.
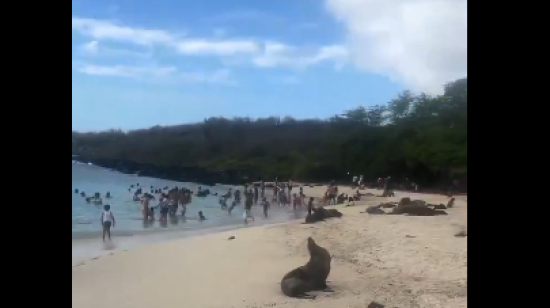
<point x="398" y="261"/>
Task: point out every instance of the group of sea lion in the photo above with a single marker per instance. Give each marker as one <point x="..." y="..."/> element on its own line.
<point x="320" y="214"/>
<point x="310" y="277"/>
<point x="411" y="208"/>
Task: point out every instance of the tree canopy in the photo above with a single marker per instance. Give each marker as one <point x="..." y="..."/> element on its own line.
<point x="421" y="137"/>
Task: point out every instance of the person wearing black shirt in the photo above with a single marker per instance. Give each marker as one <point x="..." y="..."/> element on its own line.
<point x="310" y="206"/>
<point x="248" y="206"/>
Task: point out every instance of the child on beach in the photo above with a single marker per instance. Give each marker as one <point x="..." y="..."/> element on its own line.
<point x="107" y="218"/>
<point x="201" y="216"/>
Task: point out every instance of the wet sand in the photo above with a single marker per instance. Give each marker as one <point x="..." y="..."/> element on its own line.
<point x="399" y="261"/>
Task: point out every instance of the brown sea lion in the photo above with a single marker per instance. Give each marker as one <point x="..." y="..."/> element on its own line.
<point x="438" y="206"/>
<point x="405" y="201"/>
<point x="374" y="304"/>
<point x="332" y="213"/>
<point x="320" y="214"/>
<point x="295" y="284"/>
<point x="388" y="205"/>
<point x="310" y="277"/>
<point x="374" y="210"/>
<point x="318" y="267"/>
<point x="418" y="202"/>
<point x="451" y="203"/>
<point x="415" y="210"/>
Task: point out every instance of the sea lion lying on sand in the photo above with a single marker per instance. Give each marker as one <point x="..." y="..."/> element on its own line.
<point x="310" y="277"/>
<point x="374" y="210"/>
<point x="438" y="206"/>
<point x="313" y="218"/>
<point x="415" y="208"/>
<point x="386" y="205"/>
<point x="320" y="214"/>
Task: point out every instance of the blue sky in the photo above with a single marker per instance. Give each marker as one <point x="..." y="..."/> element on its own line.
<point x="139" y="63"/>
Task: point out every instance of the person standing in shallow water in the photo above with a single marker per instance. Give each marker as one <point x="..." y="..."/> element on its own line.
<point x="107" y="219"/>
<point x="256" y="194"/>
<point x="265" y="205"/>
<point x="310" y="206"/>
<point x="248" y="206"/>
<point x="145" y="207"/>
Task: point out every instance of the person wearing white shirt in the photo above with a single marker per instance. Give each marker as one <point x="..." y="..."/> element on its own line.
<point x="107" y="219"/>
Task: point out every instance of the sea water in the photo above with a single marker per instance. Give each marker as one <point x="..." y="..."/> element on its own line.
<point x="130" y="230"/>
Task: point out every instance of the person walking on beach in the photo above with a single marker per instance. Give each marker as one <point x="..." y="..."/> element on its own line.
<point x="238" y="196"/>
<point x="262" y="189"/>
<point x="248" y="207"/>
<point x="265" y="205"/>
<point x="107" y="219"/>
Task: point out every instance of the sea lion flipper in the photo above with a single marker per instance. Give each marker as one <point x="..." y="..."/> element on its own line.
<point x="306" y="296"/>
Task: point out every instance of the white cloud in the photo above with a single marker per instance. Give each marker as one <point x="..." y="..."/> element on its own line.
<point x="106" y="30"/>
<point x="168" y="74"/>
<point x="246" y="15"/>
<point x="260" y="53"/>
<point x="422" y="43"/>
<point x="94" y="48"/>
<point x="278" y="54"/>
<point x="217" y="47"/>
<point x="127" y="71"/>
<point x="90" y="47"/>
<point x="220" y="76"/>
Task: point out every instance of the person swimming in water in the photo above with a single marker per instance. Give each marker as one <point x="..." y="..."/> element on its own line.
<point x="201" y="216"/>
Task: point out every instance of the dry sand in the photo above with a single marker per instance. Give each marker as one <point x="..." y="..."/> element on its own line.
<point x="399" y="261"/>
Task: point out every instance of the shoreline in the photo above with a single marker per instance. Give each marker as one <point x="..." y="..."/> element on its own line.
<point x="399" y="261"/>
<point x="91" y="247"/>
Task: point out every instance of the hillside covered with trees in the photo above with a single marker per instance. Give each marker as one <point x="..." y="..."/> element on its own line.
<point x="420" y="137"/>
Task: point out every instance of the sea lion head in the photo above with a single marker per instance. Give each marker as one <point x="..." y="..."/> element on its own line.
<point x="311" y="245"/>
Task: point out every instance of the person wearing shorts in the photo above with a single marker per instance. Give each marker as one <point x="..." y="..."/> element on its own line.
<point x="164" y="209"/>
<point x="107" y="219"/>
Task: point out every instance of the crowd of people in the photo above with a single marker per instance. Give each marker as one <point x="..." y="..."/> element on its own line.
<point x="255" y="193"/>
<point x="169" y="200"/>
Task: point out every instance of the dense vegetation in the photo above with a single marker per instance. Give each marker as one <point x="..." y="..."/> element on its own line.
<point x="420" y="137"/>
